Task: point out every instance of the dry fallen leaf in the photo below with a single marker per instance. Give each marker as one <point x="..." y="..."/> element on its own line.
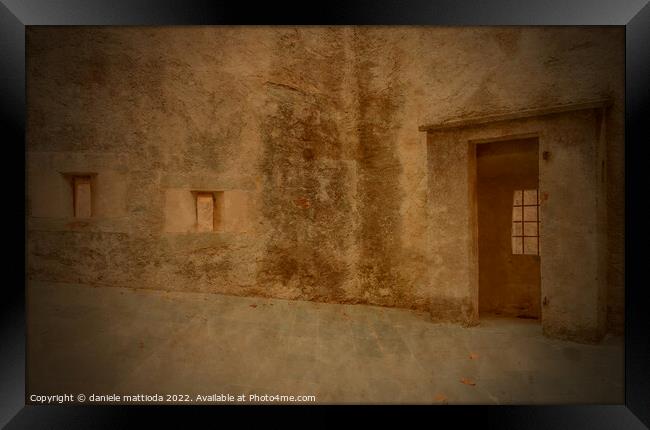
<point x="473" y="356"/>
<point x="441" y="398"/>
<point x="468" y="381"/>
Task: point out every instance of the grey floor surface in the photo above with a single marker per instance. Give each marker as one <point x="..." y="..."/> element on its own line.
<point x="99" y="340"/>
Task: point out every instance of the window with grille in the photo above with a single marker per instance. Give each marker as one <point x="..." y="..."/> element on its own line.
<point x="525" y="222"/>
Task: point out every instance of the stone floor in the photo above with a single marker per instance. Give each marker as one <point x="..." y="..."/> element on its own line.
<point x="112" y="340"/>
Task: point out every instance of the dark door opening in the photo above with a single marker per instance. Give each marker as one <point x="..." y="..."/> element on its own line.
<point x="508" y="228"/>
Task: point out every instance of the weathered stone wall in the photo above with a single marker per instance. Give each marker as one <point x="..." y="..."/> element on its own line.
<point x="312" y="131"/>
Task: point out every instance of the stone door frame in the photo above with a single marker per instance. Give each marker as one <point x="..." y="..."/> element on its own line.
<point x="572" y="157"/>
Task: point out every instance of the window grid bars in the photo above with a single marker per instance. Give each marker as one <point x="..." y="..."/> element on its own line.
<point x="523" y="221"/>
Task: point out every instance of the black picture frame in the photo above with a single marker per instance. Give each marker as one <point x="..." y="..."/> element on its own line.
<point x="633" y="14"/>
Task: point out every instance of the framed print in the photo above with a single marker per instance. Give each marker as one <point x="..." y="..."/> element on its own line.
<point x="415" y="203"/>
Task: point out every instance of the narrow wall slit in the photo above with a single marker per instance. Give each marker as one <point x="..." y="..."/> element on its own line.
<point x="209" y="208"/>
<point x="507" y="177"/>
<point x="81" y="196"/>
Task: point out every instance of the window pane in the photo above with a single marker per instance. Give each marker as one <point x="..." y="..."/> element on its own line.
<point x="530" y="213"/>
<point x="516" y="229"/>
<point x="516" y="213"/>
<point x="517" y="199"/>
<point x="530" y="197"/>
<point x="530" y="245"/>
<point x="205" y="212"/>
<point x="516" y="245"/>
<point x="530" y="229"/>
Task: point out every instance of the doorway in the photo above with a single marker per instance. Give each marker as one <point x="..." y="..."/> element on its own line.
<point x="507" y="183"/>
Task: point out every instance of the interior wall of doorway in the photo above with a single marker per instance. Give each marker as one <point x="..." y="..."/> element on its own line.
<point x="509" y="277"/>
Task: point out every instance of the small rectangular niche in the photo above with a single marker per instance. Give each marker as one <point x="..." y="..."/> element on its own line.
<point x="82" y="197"/>
<point x="209" y="207"/>
<point x="82" y="186"/>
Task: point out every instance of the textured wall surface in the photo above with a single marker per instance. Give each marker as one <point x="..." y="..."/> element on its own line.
<point x="311" y="133"/>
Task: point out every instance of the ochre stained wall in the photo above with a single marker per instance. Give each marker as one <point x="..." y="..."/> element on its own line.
<point x="509" y="284"/>
<point x="310" y="133"/>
